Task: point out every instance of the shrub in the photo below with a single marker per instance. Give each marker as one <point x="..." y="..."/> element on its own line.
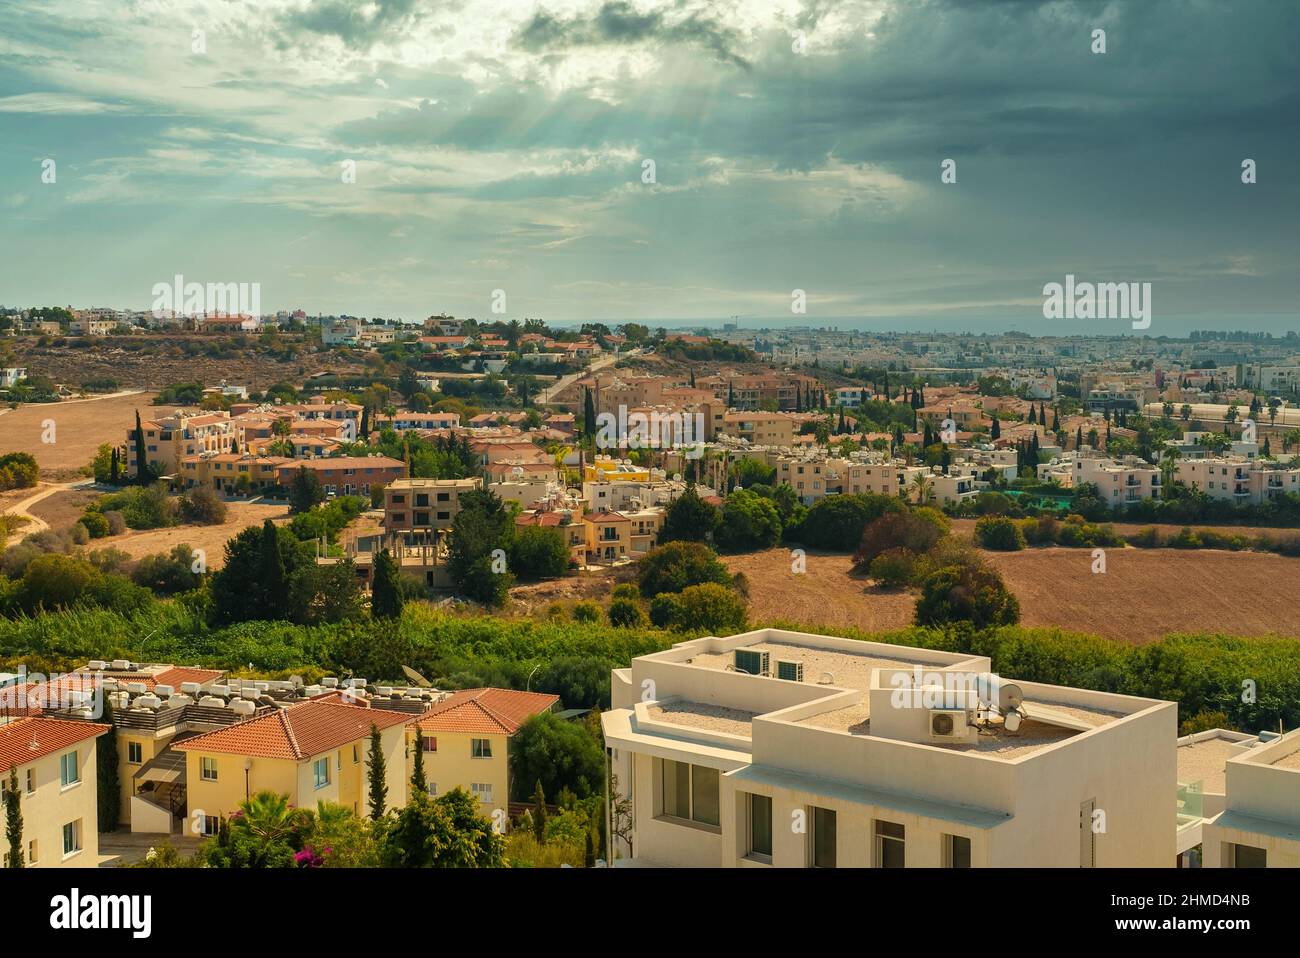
<point x="710" y="608"/>
<point x="836" y="522"/>
<point x="116" y="522"/>
<point x="749" y="521"/>
<point x="586" y="612"/>
<point x="202" y="505"/>
<point x="626" y="590"/>
<point x="1146" y="538"/>
<point x="1203" y="721"/>
<point x="1185" y="538"/>
<point x="678" y="565"/>
<point x="95" y="523"/>
<point x="627" y="613"/>
<point x="965" y="593"/>
<point x="893" y="568"/>
<point x="999" y="533"/>
<point x="915" y="531"/>
<point x="665" y="610"/>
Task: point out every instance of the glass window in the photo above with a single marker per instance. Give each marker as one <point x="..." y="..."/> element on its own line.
<point x="704" y="795"/>
<point x="480" y="747"/>
<point x="134" y="753"/>
<point x="321" y="771"/>
<point x="429" y="743"/>
<point x="823" y="838"/>
<point x="69" y="771"/>
<point x="31" y="780"/>
<point x="676" y="789"/>
<point x="889" y="845"/>
<point x="760" y="826"/>
<point x="72" y="837"/>
<point x="1247" y="856"/>
<point x="956" y="851"/>
<point x="208" y="769"/>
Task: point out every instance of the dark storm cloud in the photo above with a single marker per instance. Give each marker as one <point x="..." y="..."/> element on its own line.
<point x="618" y="23"/>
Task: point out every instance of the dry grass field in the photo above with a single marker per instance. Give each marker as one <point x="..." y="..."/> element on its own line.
<point x="1144" y="594"/>
<point x="824" y="594"/>
<point x="211" y="539"/>
<point x="80" y="426"/>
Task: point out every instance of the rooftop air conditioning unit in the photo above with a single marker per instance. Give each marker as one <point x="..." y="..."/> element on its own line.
<point x="789" y="670"/>
<point x="947" y="724"/>
<point x="753" y="663"/>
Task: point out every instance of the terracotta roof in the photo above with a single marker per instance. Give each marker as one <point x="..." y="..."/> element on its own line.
<point x="297" y="732"/>
<point x="485" y="710"/>
<point x="28" y="739"/>
<point x="179" y="673"/>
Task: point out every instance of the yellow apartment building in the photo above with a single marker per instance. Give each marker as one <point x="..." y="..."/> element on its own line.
<point x="609" y="536"/>
<point x="466" y="741"/>
<point x="313" y="752"/>
<point x="54" y="760"/>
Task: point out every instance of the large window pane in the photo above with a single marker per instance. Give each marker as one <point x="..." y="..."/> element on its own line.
<point x="704" y="795"/>
<point x="1247" y="856"/>
<point x="958" y="851"/>
<point x="889" y="845"/>
<point x="823" y="838"/>
<point x="676" y="789"/>
<point x="760" y="825"/>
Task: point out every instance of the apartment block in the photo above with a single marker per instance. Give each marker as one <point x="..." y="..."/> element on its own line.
<point x="54" y="764"/>
<point x="1259" y="825"/>
<point x="1119" y="483"/>
<point x="785" y="749"/>
<point x="416" y="508"/>
<point x="345" y="475"/>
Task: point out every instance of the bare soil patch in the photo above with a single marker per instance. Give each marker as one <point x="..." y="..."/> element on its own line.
<point x="211" y="539"/>
<point x="79" y="428"/>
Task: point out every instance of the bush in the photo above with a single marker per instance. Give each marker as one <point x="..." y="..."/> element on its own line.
<point x="665" y="610"/>
<point x="116" y="522"/>
<point x="627" y="613"/>
<point x="915" y="532"/>
<point x="142" y="507"/>
<point x="202" y="505"/>
<point x="999" y="533"/>
<point x="836" y="522"/>
<point x="168" y="573"/>
<point x="586" y="612"/>
<point x="95" y="523"/>
<point x="710" y="608"/>
<point x="894" y="568"/>
<point x="966" y="594"/>
<point x="749" y="521"/>
<point x="626" y="590"/>
<point x="678" y="565"/>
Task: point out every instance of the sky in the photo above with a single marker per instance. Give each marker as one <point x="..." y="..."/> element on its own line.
<point x="502" y="153"/>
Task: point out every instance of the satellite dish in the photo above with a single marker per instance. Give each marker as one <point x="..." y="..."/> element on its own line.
<point x="1011" y="721"/>
<point x="1010" y="697"/>
<point x="677" y="477"/>
<point x="416" y="677"/>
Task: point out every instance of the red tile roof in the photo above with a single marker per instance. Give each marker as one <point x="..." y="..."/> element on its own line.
<point x="494" y="711"/>
<point x="297" y="732"/>
<point x="28" y="739"/>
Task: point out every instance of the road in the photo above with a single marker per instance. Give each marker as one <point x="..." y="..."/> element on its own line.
<point x="36" y="523"/>
<point x="564" y="382"/>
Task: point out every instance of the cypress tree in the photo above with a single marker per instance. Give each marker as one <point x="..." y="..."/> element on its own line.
<point x="539" y="813"/>
<point x="365" y="425"/>
<point x="419" y="784"/>
<point x="14" y="820"/>
<point x="141" y="454"/>
<point x="996" y="431"/>
<point x="1078" y="438"/>
<point x="114" y="468"/>
<point x="385" y="591"/>
<point x="378" y="781"/>
<point x="588" y="414"/>
<point x="107" y="786"/>
<point x="1056" y="419"/>
<point x="272" y="574"/>
<point x="1033" y="416"/>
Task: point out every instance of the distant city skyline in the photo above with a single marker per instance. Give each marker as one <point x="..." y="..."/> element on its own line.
<point x="672" y="162"/>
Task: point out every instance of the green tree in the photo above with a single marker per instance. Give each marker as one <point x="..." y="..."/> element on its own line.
<point x="419" y="783"/>
<point x="539" y="813"/>
<point x="539" y="552"/>
<point x="481" y="537"/>
<point x="966" y="593"/>
<point x="376" y="772"/>
<point x="107" y="787"/>
<point x="712" y="608"/>
<point x="677" y="565"/>
<point x="556" y="755"/>
<point x="443" y="832"/>
<point x="142" y="474"/>
<point x="14" y="821"/>
<point x="749" y="521"/>
<point x="305" y="491"/>
<point x="386" y="599"/>
<point x="689" y="519"/>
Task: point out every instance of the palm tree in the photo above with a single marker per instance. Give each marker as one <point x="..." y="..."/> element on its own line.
<point x="267" y="816"/>
<point x="1185" y="412"/>
<point x="1169" y="466"/>
<point x="924" y="487"/>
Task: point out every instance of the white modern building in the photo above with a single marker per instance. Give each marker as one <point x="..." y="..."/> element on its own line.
<point x="786" y="749"/>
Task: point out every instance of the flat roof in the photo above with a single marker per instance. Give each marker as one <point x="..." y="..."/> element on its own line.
<point x="1206" y="762"/>
<point x="714" y="718"/>
<point x="849" y="670"/>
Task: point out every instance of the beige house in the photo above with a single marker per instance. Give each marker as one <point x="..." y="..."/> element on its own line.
<point x="776" y="748"/>
<point x="54" y="762"/>
<point x="465" y="740"/>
